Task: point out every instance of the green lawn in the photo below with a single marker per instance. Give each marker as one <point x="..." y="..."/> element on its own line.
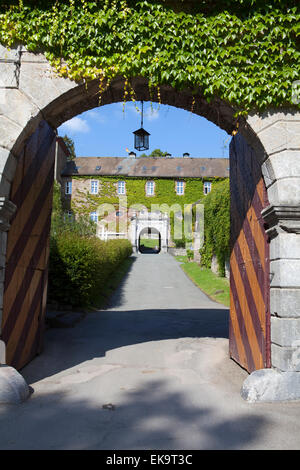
<point x="149" y="243"/>
<point x="207" y="281"/>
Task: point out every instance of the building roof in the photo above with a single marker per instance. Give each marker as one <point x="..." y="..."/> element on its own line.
<point x="163" y="167"/>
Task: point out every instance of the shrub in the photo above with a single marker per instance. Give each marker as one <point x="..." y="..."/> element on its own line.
<point x="217" y="226"/>
<point x="190" y="254"/>
<point x="180" y="242"/>
<point x="79" y="267"/>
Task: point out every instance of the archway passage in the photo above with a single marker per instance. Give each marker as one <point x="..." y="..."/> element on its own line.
<point x="23" y="342"/>
<point x="149" y="241"/>
<point x="26" y="269"/>
<point x="273" y="138"/>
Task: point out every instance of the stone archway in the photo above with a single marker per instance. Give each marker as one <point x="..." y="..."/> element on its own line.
<point x="154" y="221"/>
<point x="33" y="98"/>
<point x="149" y="234"/>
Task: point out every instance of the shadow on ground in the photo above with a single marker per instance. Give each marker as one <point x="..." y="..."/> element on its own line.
<point x="105" y="330"/>
<point x="143" y="413"/>
<point x="150" y="417"/>
<point x="147" y="250"/>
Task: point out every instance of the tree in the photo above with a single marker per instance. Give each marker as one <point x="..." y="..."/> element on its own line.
<point x="155" y="153"/>
<point x="70" y="146"/>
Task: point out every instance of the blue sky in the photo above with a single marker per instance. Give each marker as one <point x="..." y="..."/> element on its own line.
<point x="107" y="131"/>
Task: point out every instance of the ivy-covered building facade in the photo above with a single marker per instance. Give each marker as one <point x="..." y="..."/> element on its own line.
<point x="117" y="193"/>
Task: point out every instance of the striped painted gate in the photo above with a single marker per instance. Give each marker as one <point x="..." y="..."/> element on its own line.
<point x="25" y="286"/>
<point x="249" y="326"/>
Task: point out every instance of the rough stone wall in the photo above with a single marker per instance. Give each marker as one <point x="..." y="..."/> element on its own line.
<point x="214" y="265"/>
<point x="279" y="132"/>
<point x="177" y="251"/>
<point x="78" y="186"/>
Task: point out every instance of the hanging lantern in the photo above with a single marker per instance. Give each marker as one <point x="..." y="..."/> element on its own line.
<point x="141" y="137"/>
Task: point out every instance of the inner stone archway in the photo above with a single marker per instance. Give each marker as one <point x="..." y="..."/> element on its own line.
<point x="37" y="102"/>
<point x="145" y="224"/>
<point x="149" y="241"/>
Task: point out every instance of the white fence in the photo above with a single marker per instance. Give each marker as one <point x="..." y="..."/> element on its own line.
<point x="105" y="235"/>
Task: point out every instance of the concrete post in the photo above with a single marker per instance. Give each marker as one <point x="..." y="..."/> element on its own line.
<point x="132" y="231"/>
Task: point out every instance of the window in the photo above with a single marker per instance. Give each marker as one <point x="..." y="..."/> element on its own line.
<point x="121" y="187"/>
<point x="68" y="187"/>
<point x="207" y="187"/>
<point x="180" y="188"/>
<point x="150" y="188"/>
<point x="94" y="216"/>
<point x="94" y="187"/>
<point x="68" y="215"/>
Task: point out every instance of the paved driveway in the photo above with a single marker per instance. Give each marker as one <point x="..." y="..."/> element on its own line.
<point x="150" y="372"/>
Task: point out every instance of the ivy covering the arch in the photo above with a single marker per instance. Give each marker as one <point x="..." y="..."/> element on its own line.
<point x="245" y="52"/>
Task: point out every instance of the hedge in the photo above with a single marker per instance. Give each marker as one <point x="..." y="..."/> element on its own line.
<point x="217" y="226"/>
<point x="79" y="267"/>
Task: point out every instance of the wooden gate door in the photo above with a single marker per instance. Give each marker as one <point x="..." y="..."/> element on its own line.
<point x="249" y="326"/>
<point x="25" y="286"/>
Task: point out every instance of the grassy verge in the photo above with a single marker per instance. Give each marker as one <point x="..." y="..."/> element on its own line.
<point x="217" y="288"/>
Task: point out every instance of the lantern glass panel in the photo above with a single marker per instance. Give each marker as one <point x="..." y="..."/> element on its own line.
<point x="141" y="139"/>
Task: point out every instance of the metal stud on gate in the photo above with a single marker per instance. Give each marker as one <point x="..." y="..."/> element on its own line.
<point x="141" y="137"/>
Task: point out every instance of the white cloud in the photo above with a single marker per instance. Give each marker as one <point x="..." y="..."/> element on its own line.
<point x="130" y="109"/>
<point x="121" y="110"/>
<point x="96" y="116"/>
<point x="152" y="115"/>
<point x="76" y="124"/>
